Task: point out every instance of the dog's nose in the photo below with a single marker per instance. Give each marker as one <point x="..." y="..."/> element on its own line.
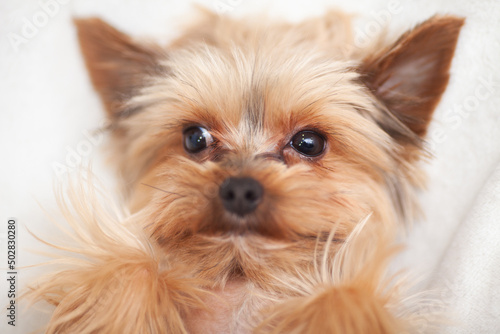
<point x="241" y="195"/>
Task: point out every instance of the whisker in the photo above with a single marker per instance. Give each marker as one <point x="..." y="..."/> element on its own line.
<point x="165" y="191"/>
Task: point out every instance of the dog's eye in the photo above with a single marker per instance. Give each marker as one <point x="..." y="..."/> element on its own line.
<point x="196" y="139"/>
<point x="308" y="143"/>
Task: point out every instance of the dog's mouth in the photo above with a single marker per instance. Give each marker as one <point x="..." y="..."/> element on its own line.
<point x="229" y="224"/>
<point x="238" y="226"/>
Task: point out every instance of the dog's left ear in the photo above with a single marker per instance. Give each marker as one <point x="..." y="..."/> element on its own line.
<point x="410" y="76"/>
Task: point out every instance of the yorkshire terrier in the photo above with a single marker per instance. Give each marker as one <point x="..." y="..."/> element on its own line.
<point x="267" y="167"/>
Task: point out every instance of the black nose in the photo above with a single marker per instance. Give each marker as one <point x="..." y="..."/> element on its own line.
<point x="240" y="195"/>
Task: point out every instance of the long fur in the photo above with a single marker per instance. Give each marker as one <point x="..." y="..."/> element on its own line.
<point x="108" y="277"/>
<point x="308" y="259"/>
<point x="108" y="269"/>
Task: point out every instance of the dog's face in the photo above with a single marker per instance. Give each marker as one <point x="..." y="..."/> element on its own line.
<point x="235" y="139"/>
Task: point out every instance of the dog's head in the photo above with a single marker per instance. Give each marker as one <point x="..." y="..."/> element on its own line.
<point x="241" y="135"/>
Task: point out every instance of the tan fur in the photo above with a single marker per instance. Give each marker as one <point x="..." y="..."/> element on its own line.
<point x="108" y="263"/>
<point x="303" y="262"/>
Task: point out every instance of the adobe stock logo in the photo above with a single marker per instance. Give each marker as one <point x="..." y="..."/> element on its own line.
<point x="455" y="116"/>
<point x="225" y="6"/>
<point x="31" y="27"/>
<point x="379" y="20"/>
<point x="78" y="154"/>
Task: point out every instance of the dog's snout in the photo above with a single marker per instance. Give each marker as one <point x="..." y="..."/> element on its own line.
<point x="241" y="195"/>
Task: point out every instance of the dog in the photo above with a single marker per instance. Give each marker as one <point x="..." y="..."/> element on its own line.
<point x="266" y="167"/>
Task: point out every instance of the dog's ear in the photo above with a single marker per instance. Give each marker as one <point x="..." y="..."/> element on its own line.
<point x="410" y="76"/>
<point x="118" y="66"/>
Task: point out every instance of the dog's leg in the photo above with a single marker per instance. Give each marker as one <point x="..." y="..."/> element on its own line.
<point x="112" y="278"/>
<point x="347" y="290"/>
<point x="122" y="292"/>
<point x="349" y="309"/>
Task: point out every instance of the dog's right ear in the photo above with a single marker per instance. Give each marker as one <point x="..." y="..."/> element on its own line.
<point x="118" y="66"/>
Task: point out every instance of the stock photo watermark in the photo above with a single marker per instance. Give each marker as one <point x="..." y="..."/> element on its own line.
<point x="81" y="151"/>
<point x="11" y="261"/>
<point x="226" y="6"/>
<point x="455" y="116"/>
<point x="379" y="20"/>
<point x="32" y="25"/>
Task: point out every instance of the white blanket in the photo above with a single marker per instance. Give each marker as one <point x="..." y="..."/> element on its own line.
<point x="49" y="109"/>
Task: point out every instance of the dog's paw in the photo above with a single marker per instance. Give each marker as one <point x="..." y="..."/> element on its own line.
<point x="334" y="310"/>
<point x="126" y="294"/>
<point x="111" y="277"/>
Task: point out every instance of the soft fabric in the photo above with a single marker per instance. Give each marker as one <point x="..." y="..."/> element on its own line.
<point x="50" y="111"/>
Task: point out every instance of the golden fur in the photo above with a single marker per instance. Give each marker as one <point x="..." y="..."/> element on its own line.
<point x="312" y="257"/>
